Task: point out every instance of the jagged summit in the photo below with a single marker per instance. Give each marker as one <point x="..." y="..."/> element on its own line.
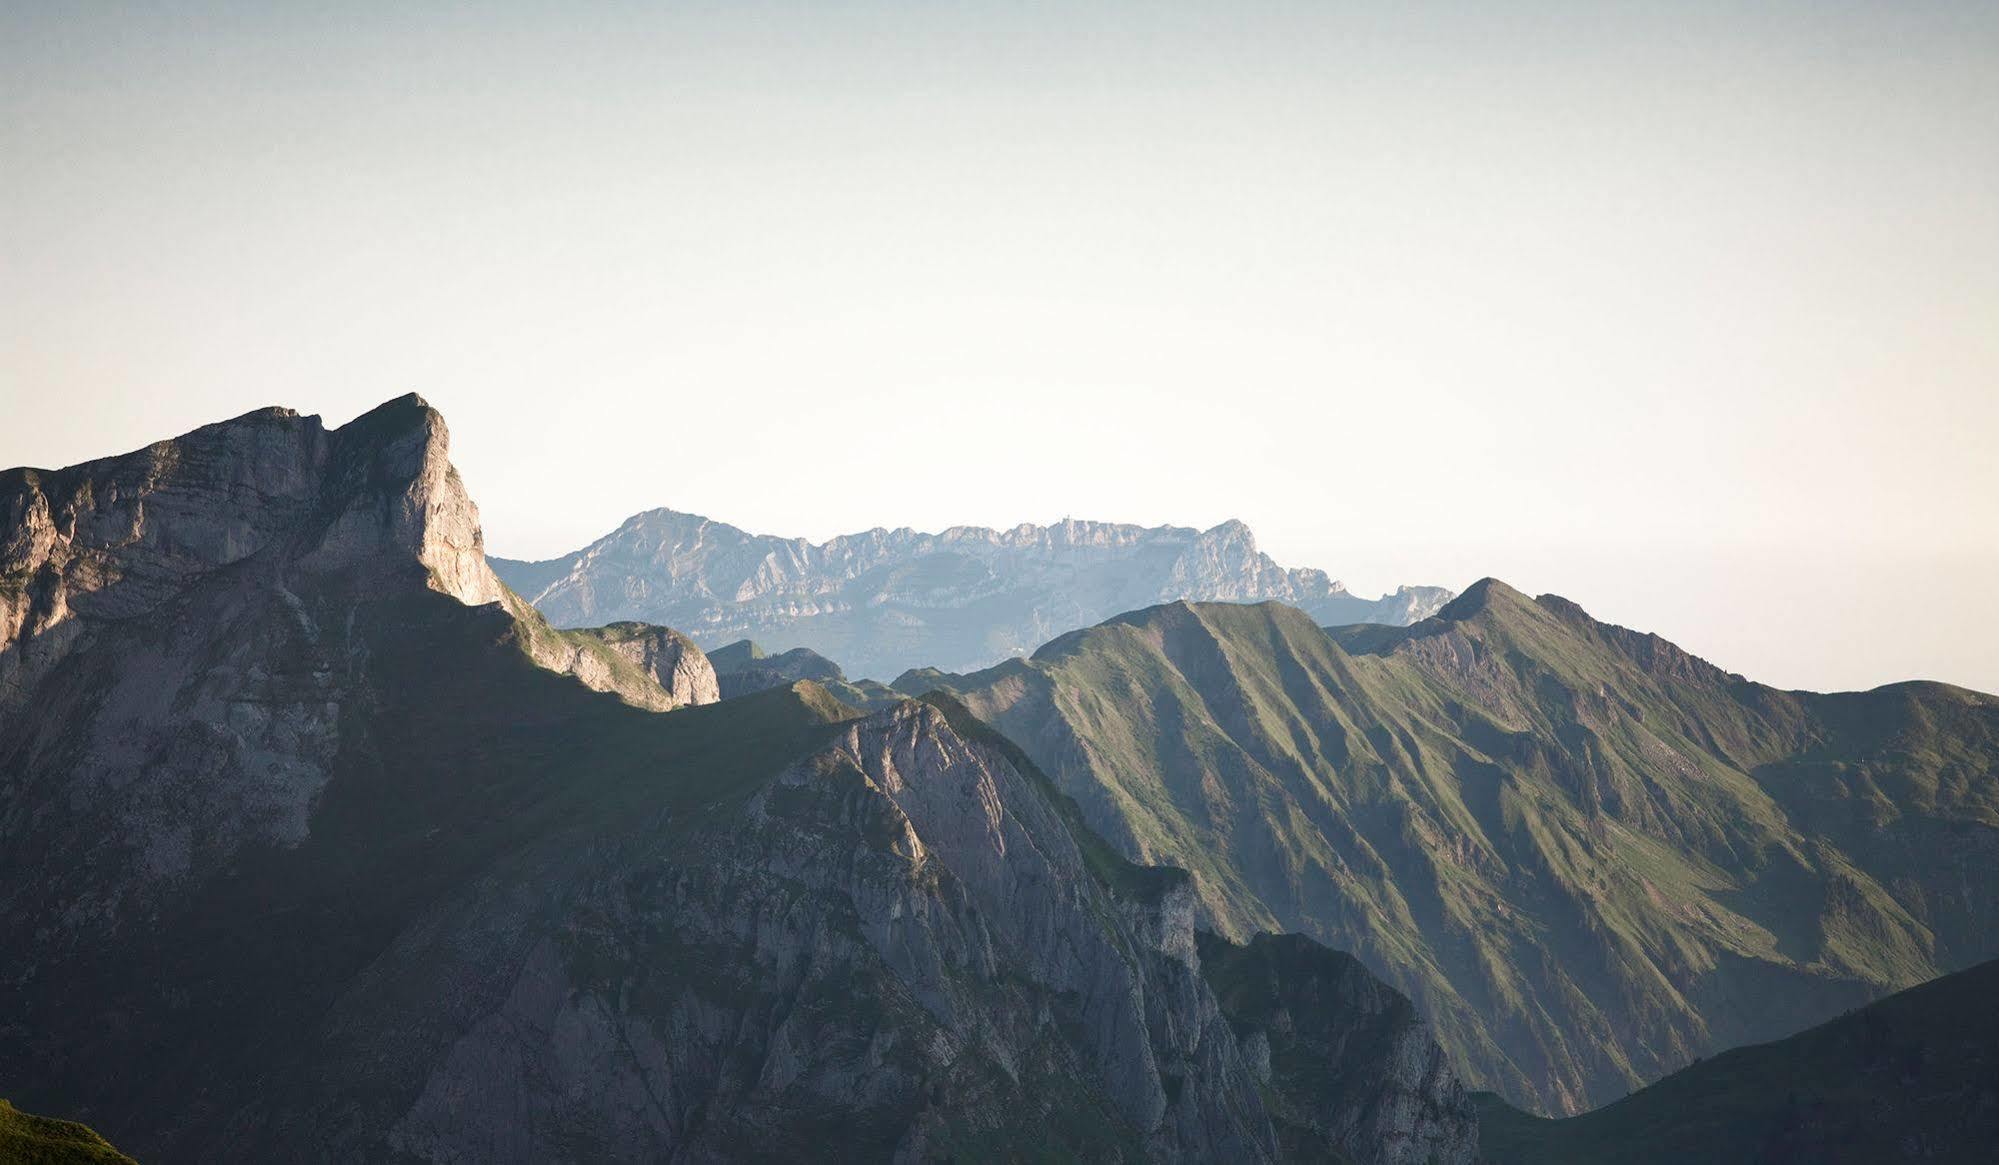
<point x="271" y="497"/>
<point x="882" y="601"/>
<point x="121" y="533"/>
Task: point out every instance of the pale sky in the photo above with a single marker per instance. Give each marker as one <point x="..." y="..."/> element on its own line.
<point x="1689" y="312"/>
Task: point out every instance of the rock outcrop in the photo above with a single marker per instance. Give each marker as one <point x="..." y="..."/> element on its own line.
<point x="884" y="601"/>
<point x="646" y="666"/>
<point x="155" y="650"/>
<point x="122" y="537"/>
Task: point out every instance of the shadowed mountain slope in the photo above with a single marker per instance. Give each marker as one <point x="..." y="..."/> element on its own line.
<point x="315" y="844"/>
<point x="883" y="601"/>
<point x="1913" y="1077"/>
<point x="1587" y="855"/>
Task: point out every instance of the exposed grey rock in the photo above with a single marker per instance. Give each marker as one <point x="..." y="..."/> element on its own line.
<point x="202" y="711"/>
<point x="120" y="537"/>
<point x="884" y="601"/>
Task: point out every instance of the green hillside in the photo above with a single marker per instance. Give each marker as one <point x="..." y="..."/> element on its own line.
<point x="1587" y="855"/>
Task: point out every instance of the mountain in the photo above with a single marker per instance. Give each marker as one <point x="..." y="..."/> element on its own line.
<point x="316" y="843"/>
<point x="743" y="667"/>
<point x="884" y="601"/>
<point x="1913" y="1077"/>
<point x="1588" y="856"/>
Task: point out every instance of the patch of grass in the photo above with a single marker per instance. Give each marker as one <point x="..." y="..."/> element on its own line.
<point x="26" y="1139"/>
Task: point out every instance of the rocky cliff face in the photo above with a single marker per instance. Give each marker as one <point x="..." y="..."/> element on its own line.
<point x="1347" y="1060"/>
<point x="305" y="854"/>
<point x="125" y="536"/>
<point x="884" y="601"/>
<point x="156" y="653"/>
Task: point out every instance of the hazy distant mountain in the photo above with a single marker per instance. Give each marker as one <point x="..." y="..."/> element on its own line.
<point x="883" y="601"/>
<point x="1914" y="1077"/>
<point x="743" y="667"/>
<point x="1588" y="855"/>
<point x="308" y="852"/>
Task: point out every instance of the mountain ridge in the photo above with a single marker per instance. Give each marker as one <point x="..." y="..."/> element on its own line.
<point x="883" y="600"/>
<point x="1587" y="854"/>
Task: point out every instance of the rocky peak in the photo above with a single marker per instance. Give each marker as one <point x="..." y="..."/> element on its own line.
<point x="650" y="667"/>
<point x="396" y="490"/>
<point x="117" y="537"/>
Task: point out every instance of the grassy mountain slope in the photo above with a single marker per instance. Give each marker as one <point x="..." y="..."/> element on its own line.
<point x="1588" y="856"/>
<point x="1913" y="1077"/>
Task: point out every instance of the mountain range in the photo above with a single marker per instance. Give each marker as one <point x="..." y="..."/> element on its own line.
<point x="1587" y="855"/>
<point x="317" y="844"/>
<point x="883" y="601"/>
<point x="318" y="841"/>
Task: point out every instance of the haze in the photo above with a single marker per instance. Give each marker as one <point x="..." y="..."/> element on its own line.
<point x="1684" y="311"/>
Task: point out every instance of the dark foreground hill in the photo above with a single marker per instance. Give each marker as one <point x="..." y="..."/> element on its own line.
<point x="1589" y="856"/>
<point x="1913" y="1077"/>
<point x="315" y="844"/>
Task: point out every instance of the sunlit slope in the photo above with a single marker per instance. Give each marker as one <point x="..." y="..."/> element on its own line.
<point x="1588" y="855"/>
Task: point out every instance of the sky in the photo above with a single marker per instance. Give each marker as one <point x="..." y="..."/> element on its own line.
<point x="1688" y="312"/>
